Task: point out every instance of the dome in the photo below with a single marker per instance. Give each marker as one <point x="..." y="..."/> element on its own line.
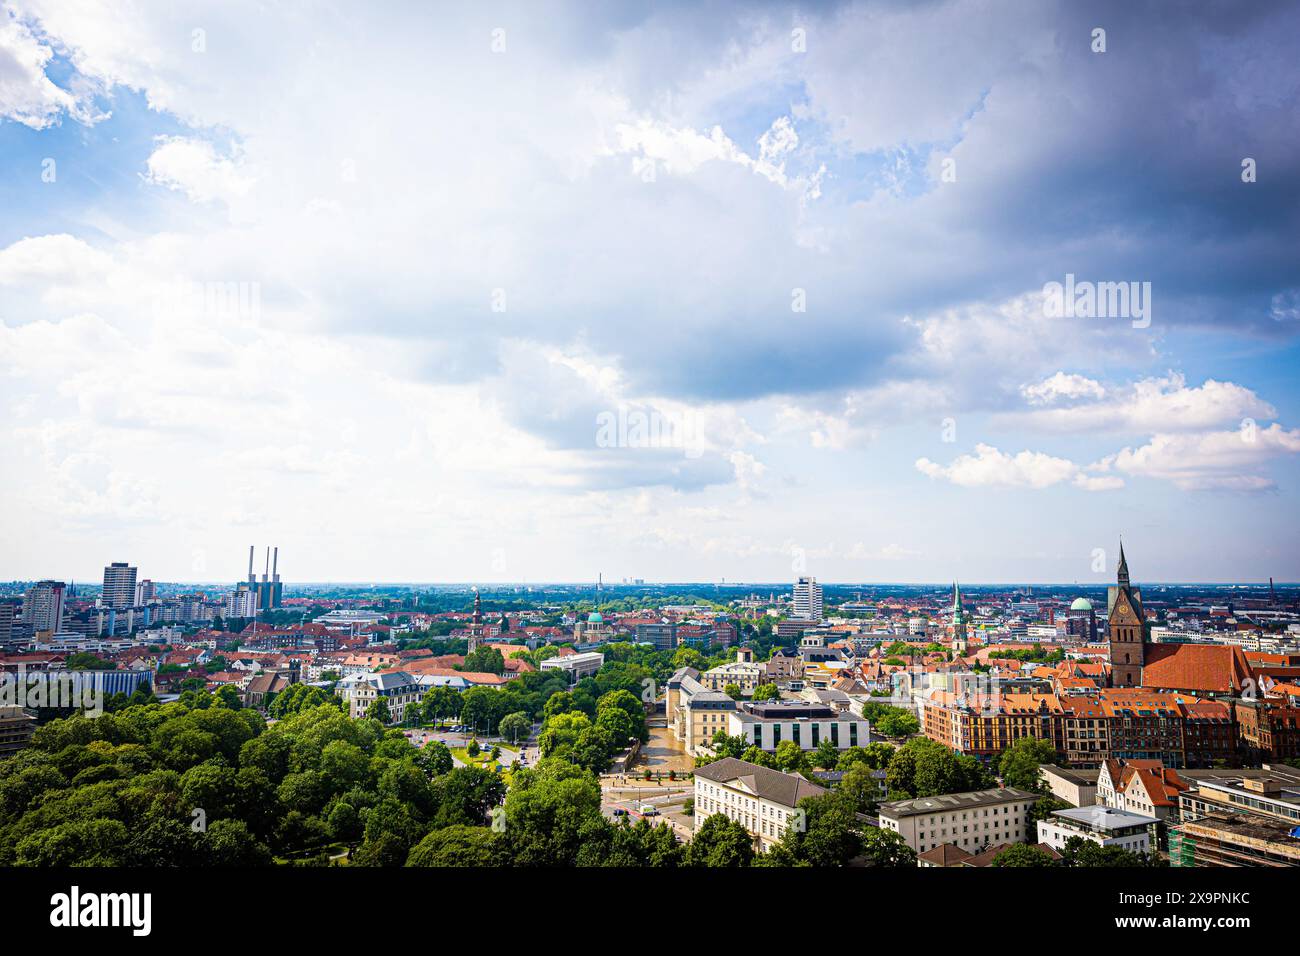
<point x="595" y="618"/>
<point x="1081" y="604"/>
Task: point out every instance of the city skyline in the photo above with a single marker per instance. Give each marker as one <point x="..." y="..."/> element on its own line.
<point x="911" y="291"/>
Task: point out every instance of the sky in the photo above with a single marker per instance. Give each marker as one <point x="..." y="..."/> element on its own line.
<point x="540" y="291"/>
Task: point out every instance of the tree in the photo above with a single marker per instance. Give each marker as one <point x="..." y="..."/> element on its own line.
<point x="766" y="692"/>
<point x="1020" y="763"/>
<point x="1022" y="854"/>
<point x="861" y="788"/>
<point x="733" y="691"/>
<point x="1043" y="808"/>
<point x="789" y="758"/>
<point x="826" y="834"/>
<point x="516" y="726"/>
<point x="896" y="722"/>
<point x="378" y="710"/>
<point x="460" y="846"/>
<point x="629" y="704"/>
<point x="1080" y="852"/>
<point x="720" y="842"/>
<point x="926" y="768"/>
<point x="885" y="848"/>
<point x="826" y="756"/>
<point x="484" y="660"/>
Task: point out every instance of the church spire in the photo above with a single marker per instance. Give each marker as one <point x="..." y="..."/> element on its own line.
<point x="957" y="609"/>
<point x="478" y="608"/>
<point x="1123" y="566"/>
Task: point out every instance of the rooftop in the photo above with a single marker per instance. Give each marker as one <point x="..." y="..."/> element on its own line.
<point x="1105" y="818"/>
<point x="954" y="801"/>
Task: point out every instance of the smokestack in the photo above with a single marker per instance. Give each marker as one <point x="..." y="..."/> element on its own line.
<point x="266" y="569"/>
<point x="275" y="565"/>
<point x="250" y="562"/>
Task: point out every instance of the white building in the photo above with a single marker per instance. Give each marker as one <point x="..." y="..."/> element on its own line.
<point x="397" y="687"/>
<point x="576" y="666"/>
<point x="764" y="801"/>
<point x="1105" y="826"/>
<point x="807" y="600"/>
<point x="972" y="821"/>
<point x="241" y="602"/>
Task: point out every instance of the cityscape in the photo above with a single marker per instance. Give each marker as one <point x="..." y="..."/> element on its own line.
<point x="785" y="447"/>
<point x="778" y="725"/>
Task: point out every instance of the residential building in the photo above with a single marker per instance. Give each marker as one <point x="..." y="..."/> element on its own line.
<point x="808" y="601"/>
<point x="764" y="801"/>
<point x="119" y="586"/>
<point x="743" y="672"/>
<point x="43" y="606"/>
<point x="16" y="729"/>
<point x="970" y="821"/>
<point x="1105" y="826"/>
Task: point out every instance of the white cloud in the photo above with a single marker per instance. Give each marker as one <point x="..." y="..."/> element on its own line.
<point x="193" y="166"/>
<point x="1222" y="460"/>
<point x="1061" y="385"/>
<point x="1150" y="405"/>
<point x="27" y="95"/>
<point x="991" y="468"/>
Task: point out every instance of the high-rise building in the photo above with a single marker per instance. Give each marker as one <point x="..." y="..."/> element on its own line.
<point x="119" y="585"/>
<point x="242" y="601"/>
<point x="808" y="600"/>
<point x="1124" y="619"/>
<point x="8" y="618"/>
<point x="43" y="606"/>
<point x="145" y="592"/>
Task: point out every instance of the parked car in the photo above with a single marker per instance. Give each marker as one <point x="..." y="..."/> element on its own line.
<point x="620" y="812"/>
<point x="649" y="811"/>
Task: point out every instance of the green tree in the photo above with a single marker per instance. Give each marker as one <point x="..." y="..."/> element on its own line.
<point x="378" y="710"/>
<point x="1020" y="763"/>
<point x="1022" y="854"/>
<point x="885" y="848"/>
<point x="720" y="842"/>
<point x="516" y="726"/>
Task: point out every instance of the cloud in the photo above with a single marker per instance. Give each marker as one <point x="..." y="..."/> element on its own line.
<point x="27" y="95"/>
<point x="991" y="468"/>
<point x="1061" y="385"/>
<point x="193" y="167"/>
<point x="1150" y="405"/>
<point x="1222" y="460"/>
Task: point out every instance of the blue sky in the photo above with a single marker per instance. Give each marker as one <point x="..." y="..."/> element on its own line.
<point x="361" y="283"/>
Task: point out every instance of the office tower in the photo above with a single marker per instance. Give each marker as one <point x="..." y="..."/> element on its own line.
<point x="145" y="592"/>
<point x="119" y="585"/>
<point x="43" y="606"/>
<point x="808" y="600"/>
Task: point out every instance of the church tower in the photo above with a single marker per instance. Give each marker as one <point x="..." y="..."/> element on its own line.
<point x="958" y="623"/>
<point x="476" y="625"/>
<point x="1125" y="619"/>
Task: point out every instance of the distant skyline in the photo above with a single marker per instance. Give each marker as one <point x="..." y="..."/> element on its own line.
<point x="749" y="290"/>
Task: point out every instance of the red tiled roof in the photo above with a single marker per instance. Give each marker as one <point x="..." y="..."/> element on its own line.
<point x="1215" y="668"/>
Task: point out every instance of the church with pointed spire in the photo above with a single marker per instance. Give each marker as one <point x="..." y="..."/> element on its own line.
<point x="1124" y="617"/>
<point x="1212" y="670"/>
<point x="957" y="625"/>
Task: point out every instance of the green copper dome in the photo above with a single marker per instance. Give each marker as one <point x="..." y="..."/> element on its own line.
<point x="1081" y="604"/>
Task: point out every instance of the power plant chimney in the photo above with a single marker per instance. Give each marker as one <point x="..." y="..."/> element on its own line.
<point x="275" y="565"/>
<point x="250" y="562"/>
<point x="266" y="569"/>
